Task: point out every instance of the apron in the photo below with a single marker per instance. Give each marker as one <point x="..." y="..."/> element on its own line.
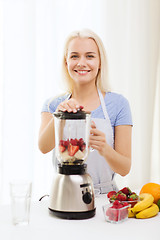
<point x="97" y="167"/>
<point x="101" y="173"/>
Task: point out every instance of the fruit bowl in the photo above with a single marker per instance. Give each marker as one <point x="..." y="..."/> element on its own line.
<point x="125" y="195"/>
<point x="116" y="212"/>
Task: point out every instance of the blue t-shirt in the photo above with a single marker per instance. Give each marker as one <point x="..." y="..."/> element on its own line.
<point x="117" y="106"/>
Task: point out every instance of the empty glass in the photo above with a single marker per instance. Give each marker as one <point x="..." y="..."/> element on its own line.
<point x="20" y="192"/>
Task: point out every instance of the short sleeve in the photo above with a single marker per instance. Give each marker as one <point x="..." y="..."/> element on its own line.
<point x="45" y="107"/>
<point x="124" y="116"/>
<point x="51" y="104"/>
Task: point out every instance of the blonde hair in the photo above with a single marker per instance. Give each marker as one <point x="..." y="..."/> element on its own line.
<point x="102" y="77"/>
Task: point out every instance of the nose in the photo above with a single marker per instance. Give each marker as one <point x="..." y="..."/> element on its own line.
<point x="81" y="62"/>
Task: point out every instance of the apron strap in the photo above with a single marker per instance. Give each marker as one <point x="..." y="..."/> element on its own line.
<point x="69" y="96"/>
<point x="105" y="113"/>
<point x="103" y="105"/>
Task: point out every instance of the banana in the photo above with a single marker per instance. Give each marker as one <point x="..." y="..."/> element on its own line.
<point x="148" y="212"/>
<point x="130" y="213"/>
<point x="146" y="200"/>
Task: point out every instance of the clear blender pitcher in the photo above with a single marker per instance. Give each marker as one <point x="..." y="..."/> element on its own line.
<point x="72" y="136"/>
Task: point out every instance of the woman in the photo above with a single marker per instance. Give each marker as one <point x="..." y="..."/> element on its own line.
<point x="85" y="71"/>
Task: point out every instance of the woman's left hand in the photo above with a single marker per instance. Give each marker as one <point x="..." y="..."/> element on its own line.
<point x="97" y="140"/>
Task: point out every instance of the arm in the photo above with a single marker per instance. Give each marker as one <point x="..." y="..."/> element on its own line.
<point x="46" y="141"/>
<point x="118" y="158"/>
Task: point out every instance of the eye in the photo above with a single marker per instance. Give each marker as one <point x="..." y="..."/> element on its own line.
<point x="90" y="56"/>
<point x="74" y="56"/>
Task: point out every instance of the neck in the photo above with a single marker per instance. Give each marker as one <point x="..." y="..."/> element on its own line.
<point x="82" y="93"/>
<point x="87" y="97"/>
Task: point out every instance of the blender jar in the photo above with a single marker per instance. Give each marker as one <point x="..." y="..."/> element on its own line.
<point x="72" y="136"/>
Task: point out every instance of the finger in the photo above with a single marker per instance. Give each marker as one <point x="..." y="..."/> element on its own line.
<point x="70" y="105"/>
<point x="97" y="138"/>
<point x="73" y="106"/>
<point x="96" y="132"/>
<point x="96" y="143"/>
<point x="93" y="125"/>
<point x="95" y="147"/>
<point x="61" y="108"/>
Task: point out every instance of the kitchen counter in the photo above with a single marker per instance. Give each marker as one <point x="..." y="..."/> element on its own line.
<point x="44" y="226"/>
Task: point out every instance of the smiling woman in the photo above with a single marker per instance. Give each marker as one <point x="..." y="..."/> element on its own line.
<point x="110" y="133"/>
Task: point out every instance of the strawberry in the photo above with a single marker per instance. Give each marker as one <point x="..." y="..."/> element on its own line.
<point x="61" y="142"/>
<point x="111" y="193"/>
<point x="132" y="193"/>
<point x="118" y="211"/>
<point x="108" y="212"/>
<point x="126" y="190"/>
<point x="116" y="203"/>
<point x="125" y="204"/>
<point x="120" y="205"/>
<point x="74" y="142"/>
<point x="113" y="198"/>
<point x="121" y="197"/>
<point x="65" y="143"/>
<point x="133" y="197"/>
<point x="62" y="148"/>
<point x="72" y="149"/>
<point x="80" y="142"/>
<point x="119" y="192"/>
<point x="83" y="146"/>
<point x="123" y="213"/>
<point x="114" y="216"/>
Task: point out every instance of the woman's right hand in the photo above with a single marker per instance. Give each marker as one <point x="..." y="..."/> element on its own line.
<point x="70" y="105"/>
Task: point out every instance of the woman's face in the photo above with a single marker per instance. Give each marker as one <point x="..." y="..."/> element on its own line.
<point x="83" y="60"/>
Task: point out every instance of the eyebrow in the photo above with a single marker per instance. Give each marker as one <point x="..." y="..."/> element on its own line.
<point x="91" y="53"/>
<point x="86" y="53"/>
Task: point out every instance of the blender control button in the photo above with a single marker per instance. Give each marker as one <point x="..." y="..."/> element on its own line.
<point x="87" y="198"/>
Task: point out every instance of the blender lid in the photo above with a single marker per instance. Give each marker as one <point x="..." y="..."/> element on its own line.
<point x="70" y="115"/>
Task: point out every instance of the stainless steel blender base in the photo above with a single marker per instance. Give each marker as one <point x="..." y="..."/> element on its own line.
<point x="72" y="194"/>
<point x="73" y="215"/>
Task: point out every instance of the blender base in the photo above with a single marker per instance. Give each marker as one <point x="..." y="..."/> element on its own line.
<point x="73" y="215"/>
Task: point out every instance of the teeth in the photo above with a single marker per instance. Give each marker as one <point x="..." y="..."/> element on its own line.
<point x="82" y="71"/>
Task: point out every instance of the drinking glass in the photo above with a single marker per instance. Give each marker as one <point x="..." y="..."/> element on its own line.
<point x="20" y="192"/>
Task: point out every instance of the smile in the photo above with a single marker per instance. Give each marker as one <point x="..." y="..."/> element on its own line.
<point x="82" y="72"/>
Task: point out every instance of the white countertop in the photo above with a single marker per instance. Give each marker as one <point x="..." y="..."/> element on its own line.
<point x="44" y="226"/>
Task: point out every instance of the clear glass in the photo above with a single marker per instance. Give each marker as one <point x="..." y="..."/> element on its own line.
<point x="72" y="138"/>
<point x="20" y="193"/>
<point x="114" y="215"/>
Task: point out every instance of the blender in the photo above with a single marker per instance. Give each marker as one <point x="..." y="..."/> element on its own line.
<point x="72" y="191"/>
